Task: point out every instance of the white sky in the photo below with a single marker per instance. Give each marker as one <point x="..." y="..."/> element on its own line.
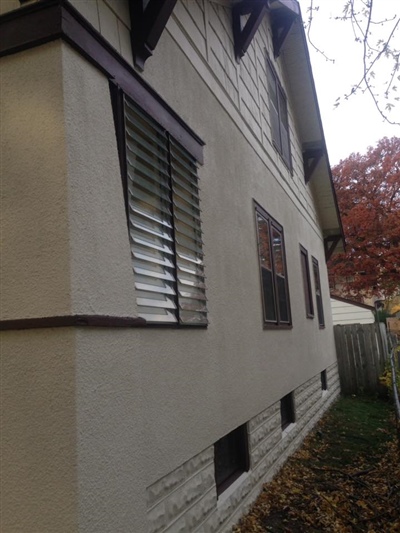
<point x="355" y="124"/>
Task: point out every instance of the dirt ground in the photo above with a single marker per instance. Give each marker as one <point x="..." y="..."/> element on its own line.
<point x="345" y="478"/>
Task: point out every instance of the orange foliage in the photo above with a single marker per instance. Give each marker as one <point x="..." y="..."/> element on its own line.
<point x="368" y="192"/>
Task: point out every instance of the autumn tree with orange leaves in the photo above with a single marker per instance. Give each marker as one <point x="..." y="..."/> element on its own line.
<point x="368" y="193"/>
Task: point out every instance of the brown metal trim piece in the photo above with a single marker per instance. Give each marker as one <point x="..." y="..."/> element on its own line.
<point x="48" y="20"/>
<point x="148" y="23"/>
<point x="330" y="244"/>
<point x="94" y="321"/>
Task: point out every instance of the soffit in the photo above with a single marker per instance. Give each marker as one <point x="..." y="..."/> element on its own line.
<point x="303" y="98"/>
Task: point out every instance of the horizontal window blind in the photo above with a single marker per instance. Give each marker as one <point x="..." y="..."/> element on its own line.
<point x="164" y="223"/>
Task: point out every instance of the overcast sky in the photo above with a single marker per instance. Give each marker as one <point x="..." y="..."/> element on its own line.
<point x="355" y="124"/>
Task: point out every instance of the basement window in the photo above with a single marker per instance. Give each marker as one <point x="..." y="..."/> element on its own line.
<point x="324" y="380"/>
<point x="231" y="458"/>
<point x="287" y="411"/>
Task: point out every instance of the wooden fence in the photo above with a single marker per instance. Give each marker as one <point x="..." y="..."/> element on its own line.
<point x="362" y="352"/>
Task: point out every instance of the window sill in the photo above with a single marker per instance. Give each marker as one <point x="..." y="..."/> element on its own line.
<point x="324" y="393"/>
<point x="310" y="316"/>
<point x="227" y="493"/>
<point x="277" y="326"/>
<point x="166" y="325"/>
<point x="288" y="429"/>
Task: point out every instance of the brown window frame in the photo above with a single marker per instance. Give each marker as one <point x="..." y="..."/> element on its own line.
<point x="318" y="293"/>
<point x="305" y="270"/>
<point x="288" y="412"/>
<point x="279" y="116"/>
<point x="233" y="448"/>
<point x="274" y="305"/>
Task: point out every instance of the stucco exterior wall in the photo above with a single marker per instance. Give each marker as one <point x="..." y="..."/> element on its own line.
<point x="140" y="403"/>
<point x="38" y="432"/>
<point x="34" y="198"/>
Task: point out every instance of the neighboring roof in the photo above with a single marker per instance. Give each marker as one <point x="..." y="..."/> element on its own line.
<point x="353" y="302"/>
<point x="346" y="312"/>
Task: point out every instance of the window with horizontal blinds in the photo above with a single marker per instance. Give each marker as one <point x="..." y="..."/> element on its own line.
<point x="272" y="260"/>
<point x="164" y="223"/>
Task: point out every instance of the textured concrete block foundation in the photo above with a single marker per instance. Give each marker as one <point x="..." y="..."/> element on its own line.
<point x="185" y="500"/>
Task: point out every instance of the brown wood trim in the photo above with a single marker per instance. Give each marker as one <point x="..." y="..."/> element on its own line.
<point x="94" y="321"/>
<point x="148" y="24"/>
<point x="29" y="26"/>
<point x="45" y="21"/>
<point x="242" y="36"/>
<point x="330" y="244"/>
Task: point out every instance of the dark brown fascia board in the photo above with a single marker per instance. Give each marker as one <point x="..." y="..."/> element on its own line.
<point x="94" y="321"/>
<point x="48" y="20"/>
<point x="352" y="302"/>
<point x="147" y="26"/>
<point x="318" y="112"/>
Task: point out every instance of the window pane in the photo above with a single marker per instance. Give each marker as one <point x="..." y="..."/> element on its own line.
<point x="318" y="294"/>
<point x="278" y="115"/>
<point x="150" y="217"/>
<point x="306" y="283"/>
<point x="264" y="242"/>
<point x="275" y="293"/>
<point x="278" y="253"/>
<point x="268" y="295"/>
<point x="188" y="245"/>
<point x="283" y="303"/>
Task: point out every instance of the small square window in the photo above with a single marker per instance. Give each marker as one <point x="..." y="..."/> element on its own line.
<point x="324" y="380"/>
<point x="231" y="458"/>
<point x="287" y="411"/>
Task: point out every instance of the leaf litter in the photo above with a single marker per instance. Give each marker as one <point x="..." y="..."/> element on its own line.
<point x="345" y="478"/>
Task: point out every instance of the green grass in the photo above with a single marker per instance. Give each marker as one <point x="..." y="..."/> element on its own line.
<point x="355" y="427"/>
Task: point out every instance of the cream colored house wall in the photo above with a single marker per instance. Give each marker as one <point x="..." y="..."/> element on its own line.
<point x="202" y="29"/>
<point x="34" y="210"/>
<point x="345" y="313"/>
<point x="38" y="432"/>
<point x="139" y="403"/>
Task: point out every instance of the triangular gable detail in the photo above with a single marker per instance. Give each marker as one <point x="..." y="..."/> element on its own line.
<point x="283" y="14"/>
